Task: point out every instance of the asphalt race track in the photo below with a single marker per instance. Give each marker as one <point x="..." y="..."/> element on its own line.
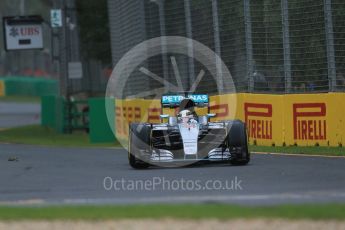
<point x="18" y="114"/>
<point x="48" y="175"/>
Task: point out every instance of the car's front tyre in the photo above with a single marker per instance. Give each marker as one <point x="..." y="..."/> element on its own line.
<point x="237" y="141"/>
<point x="139" y="139"/>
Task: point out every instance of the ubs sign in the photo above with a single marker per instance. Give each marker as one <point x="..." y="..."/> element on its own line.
<point x="23" y="32"/>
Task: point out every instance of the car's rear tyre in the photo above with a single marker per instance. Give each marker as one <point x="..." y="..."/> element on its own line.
<point x="237" y="139"/>
<point x="139" y="139"/>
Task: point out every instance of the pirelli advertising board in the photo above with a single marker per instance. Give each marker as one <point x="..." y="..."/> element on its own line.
<point x="292" y="119"/>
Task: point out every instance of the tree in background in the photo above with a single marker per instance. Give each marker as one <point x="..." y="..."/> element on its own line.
<point x="94" y="30"/>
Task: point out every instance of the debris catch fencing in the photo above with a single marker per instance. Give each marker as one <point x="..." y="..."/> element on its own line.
<point x="269" y="46"/>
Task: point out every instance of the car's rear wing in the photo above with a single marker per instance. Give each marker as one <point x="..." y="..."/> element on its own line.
<point x="173" y="100"/>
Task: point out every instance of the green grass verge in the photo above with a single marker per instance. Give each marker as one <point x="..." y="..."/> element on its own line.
<point x="319" y="150"/>
<point x="21" y="99"/>
<point x="329" y="211"/>
<point x="39" y="135"/>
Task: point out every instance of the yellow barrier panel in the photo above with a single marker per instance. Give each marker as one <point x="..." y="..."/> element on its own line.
<point x="292" y="119"/>
<point x="264" y="117"/>
<point x="224" y="106"/>
<point x="2" y="88"/>
<point x="135" y="110"/>
<point x="336" y="129"/>
<point x="308" y="119"/>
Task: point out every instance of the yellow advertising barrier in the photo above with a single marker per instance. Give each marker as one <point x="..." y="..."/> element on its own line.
<point x="135" y="110"/>
<point x="308" y="118"/>
<point x="336" y="127"/>
<point x="272" y="120"/>
<point x="264" y="116"/>
<point x="224" y="106"/>
<point x="2" y="88"/>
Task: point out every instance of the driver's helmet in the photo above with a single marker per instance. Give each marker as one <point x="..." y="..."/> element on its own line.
<point x="185" y="115"/>
<point x="187" y="104"/>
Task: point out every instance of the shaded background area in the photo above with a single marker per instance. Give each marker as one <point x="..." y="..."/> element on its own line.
<point x="285" y="46"/>
<point x="27" y="62"/>
<point x="88" y="42"/>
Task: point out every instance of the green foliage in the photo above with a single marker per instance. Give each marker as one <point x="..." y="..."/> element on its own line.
<point x="94" y="29"/>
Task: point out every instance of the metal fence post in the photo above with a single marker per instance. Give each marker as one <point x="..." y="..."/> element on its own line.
<point x="72" y="39"/>
<point x="144" y="35"/>
<point x="72" y="27"/>
<point x="163" y="41"/>
<point x="190" y="43"/>
<point x="249" y="45"/>
<point x="330" y="45"/>
<point x="62" y="53"/>
<point x="216" y="38"/>
<point x="286" y="45"/>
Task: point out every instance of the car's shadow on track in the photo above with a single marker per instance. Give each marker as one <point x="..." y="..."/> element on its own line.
<point x="194" y="165"/>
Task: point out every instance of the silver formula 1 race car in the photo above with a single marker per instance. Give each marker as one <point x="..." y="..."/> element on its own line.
<point x="186" y="137"/>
